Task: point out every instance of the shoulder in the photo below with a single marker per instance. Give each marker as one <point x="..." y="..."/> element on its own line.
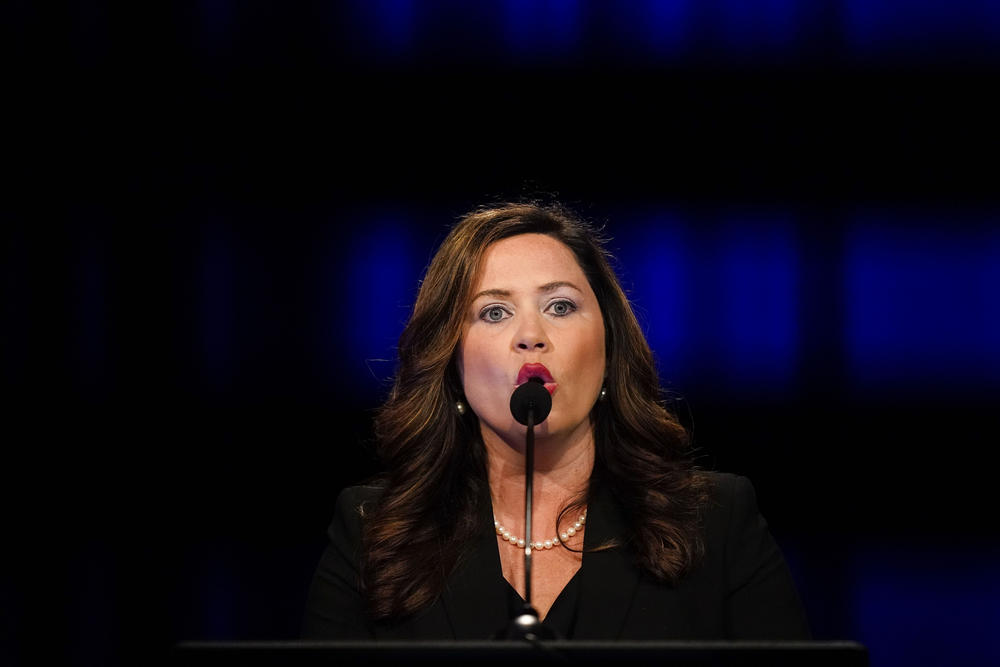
<point x="335" y="609"/>
<point x="353" y="503"/>
<point x="358" y="498"/>
<point x="731" y="513"/>
<point x="761" y="599"/>
<point x="736" y="531"/>
<point x="727" y="490"/>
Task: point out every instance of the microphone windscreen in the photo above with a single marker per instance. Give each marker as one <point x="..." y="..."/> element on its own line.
<point x="531" y="395"/>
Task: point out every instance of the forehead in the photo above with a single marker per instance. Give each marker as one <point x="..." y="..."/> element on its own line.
<point x="528" y="260"/>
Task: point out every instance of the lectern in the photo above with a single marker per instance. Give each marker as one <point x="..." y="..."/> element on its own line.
<point x="547" y="652"/>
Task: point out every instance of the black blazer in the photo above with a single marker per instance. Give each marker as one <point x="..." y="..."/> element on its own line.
<point x="741" y="590"/>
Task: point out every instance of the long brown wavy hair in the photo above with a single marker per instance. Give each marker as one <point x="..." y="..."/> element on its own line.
<point x="435" y="479"/>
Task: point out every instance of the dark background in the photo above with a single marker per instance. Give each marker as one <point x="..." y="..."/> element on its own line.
<point x="216" y="215"/>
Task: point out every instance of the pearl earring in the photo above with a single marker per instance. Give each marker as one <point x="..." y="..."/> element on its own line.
<point x="460" y="407"/>
<point x="604" y="394"/>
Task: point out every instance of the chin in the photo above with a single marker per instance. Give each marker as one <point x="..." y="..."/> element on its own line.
<point x="551" y="426"/>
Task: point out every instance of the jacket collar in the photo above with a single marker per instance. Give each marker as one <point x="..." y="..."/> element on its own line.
<point x="475" y="599"/>
<point x="610" y="578"/>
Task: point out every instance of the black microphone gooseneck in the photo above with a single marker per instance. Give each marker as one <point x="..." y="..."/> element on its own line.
<point x="529" y="486"/>
<point x="529" y="402"/>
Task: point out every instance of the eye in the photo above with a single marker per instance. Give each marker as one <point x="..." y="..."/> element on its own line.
<point x="494" y="313"/>
<point x="562" y="308"/>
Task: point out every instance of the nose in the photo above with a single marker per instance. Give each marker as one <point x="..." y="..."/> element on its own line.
<point x="531" y="335"/>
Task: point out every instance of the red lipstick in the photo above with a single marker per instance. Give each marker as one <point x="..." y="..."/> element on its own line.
<point x="537" y="371"/>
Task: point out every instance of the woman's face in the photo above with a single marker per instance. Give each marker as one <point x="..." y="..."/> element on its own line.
<point x="533" y="314"/>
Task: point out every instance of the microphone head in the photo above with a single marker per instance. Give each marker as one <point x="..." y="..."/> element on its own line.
<point x="532" y="395"/>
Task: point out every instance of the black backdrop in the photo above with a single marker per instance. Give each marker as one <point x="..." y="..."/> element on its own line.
<point x="153" y="496"/>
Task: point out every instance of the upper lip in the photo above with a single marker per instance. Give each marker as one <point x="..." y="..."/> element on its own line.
<point x="529" y="371"/>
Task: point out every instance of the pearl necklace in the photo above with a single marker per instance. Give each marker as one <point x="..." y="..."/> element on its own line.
<point x="547" y="544"/>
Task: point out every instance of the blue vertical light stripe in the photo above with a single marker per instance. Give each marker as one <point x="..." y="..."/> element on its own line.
<point x="542" y="30"/>
<point x="654" y="258"/>
<point x="378" y="288"/>
<point x="760" y="26"/>
<point x="664" y="27"/>
<point x="665" y="31"/>
<point x="920" y="606"/>
<point x="758" y="336"/>
<point x="929" y="30"/>
<point x="392" y="25"/>
<point x="922" y="303"/>
<point x="988" y="303"/>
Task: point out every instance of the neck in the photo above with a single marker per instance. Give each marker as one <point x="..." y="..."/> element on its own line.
<point x="562" y="472"/>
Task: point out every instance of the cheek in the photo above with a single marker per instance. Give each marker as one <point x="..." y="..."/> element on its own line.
<point x="463" y="363"/>
<point x="586" y="364"/>
<point x="473" y="364"/>
<point x="483" y="379"/>
<point x="595" y="350"/>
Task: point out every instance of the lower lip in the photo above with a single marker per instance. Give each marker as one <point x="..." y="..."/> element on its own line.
<point x="549" y="386"/>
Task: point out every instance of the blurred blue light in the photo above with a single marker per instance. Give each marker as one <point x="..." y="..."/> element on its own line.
<point x="757" y="331"/>
<point x="539" y="31"/>
<point x="664" y="26"/>
<point x="376" y="295"/>
<point x="923" y="306"/>
<point x="724" y="307"/>
<point x="654" y="266"/>
<point x="928" y="607"/>
<point x="765" y="25"/>
<point x="922" y="30"/>
<point x="394" y="25"/>
<point x="542" y="29"/>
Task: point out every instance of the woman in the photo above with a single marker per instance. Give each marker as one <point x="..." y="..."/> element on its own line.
<point x="635" y="542"/>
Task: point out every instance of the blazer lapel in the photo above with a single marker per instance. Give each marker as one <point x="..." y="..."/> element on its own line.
<point x="609" y="578"/>
<point x="475" y="600"/>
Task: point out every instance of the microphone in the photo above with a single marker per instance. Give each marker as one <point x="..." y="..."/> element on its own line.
<point x="529" y="404"/>
<point x="531" y="396"/>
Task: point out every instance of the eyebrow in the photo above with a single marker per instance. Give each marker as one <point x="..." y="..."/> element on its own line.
<point x="544" y="289"/>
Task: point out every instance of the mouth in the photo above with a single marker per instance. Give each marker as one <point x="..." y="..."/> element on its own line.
<point x="539" y="371"/>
